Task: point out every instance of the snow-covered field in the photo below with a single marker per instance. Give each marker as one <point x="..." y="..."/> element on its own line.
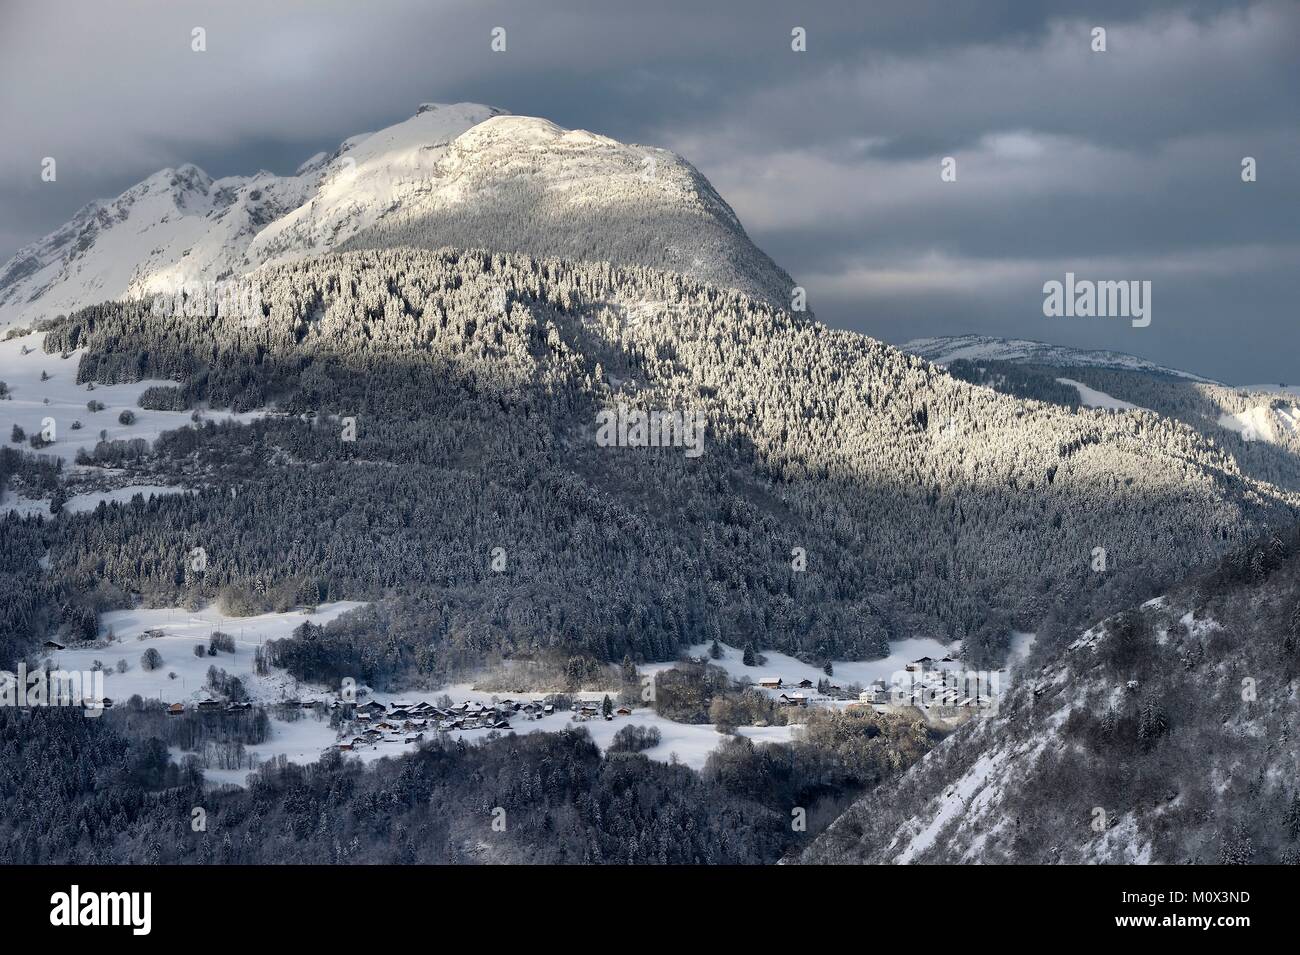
<point x="1263" y="422"/>
<point x="791" y="671"/>
<point x="31" y="401"/>
<point x="22" y="360"/>
<point x="1271" y="389"/>
<point x="1092" y="398"/>
<point x="304" y="739"/>
<point x="81" y="503"/>
<point x="181" y="630"/>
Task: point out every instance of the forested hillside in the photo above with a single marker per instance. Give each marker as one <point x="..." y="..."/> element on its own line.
<point x="1164" y="734"/>
<point x="847" y="493"/>
<point x="1259" y="428"/>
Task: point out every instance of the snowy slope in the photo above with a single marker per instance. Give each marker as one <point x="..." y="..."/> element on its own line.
<point x="521" y="184"/>
<point x="372" y="175"/>
<point x="1092" y="398"/>
<point x="1273" y="422"/>
<point x="462" y="175"/>
<point x="945" y="350"/>
<point x="43" y="385"/>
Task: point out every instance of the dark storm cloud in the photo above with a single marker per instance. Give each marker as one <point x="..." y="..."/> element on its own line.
<point x="1118" y="165"/>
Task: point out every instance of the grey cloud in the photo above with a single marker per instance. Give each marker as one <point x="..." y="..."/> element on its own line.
<point x="829" y="157"/>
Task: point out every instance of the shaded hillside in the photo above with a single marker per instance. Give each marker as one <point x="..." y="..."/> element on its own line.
<point x="1165" y="734"/>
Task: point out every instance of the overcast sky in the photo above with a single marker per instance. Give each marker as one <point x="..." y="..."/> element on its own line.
<point x="1117" y="165"/>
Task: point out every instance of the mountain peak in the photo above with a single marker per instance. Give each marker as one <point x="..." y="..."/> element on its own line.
<point x="453" y="174"/>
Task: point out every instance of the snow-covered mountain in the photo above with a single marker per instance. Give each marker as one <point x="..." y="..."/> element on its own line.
<point x="520" y="184"/>
<point x="462" y="175"/>
<point x="945" y="350"/>
<point x="177" y="223"/>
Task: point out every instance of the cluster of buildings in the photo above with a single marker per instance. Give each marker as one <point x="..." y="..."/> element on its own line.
<point x="206" y="706"/>
<point x="794" y="695"/>
<point x="926" y="683"/>
<point x="404" y="722"/>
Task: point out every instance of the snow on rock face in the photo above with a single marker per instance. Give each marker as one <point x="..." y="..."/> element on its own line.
<point x="463" y="175"/>
<point x="94" y="256"/>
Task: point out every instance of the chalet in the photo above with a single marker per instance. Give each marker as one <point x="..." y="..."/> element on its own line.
<point x="501" y="725"/>
<point x="920" y="664"/>
<point x="402" y="704"/>
<point x="208" y="706"/>
<point x="53" y="645"/>
<point x="623" y="711"/>
<point x="793" y="699"/>
<point x="373" y="707"/>
<point x="770" y="682"/>
<point x="176" y="709"/>
<point x="415" y="738"/>
<point x="805" y="684"/>
<point x="239" y="706"/>
<point x="344" y="746"/>
<point x="548" y="709"/>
